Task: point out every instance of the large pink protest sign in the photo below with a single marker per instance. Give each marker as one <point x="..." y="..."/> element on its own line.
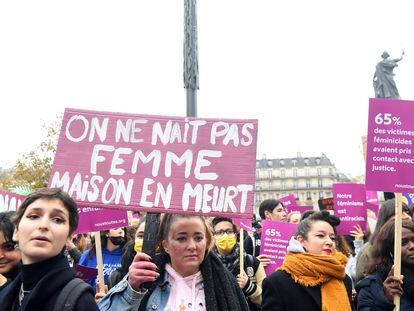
<point x="350" y="206"/>
<point x="157" y="163"/>
<point x="390" y="148"/>
<point x="98" y="219"/>
<point x="10" y="201"/>
<point x="288" y="201"/>
<point x="274" y="242"/>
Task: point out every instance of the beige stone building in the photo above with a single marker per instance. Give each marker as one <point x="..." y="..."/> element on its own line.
<point x="307" y="178"/>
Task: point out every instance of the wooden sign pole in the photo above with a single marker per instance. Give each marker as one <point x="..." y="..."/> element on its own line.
<point x="241" y="243"/>
<point x="397" y="243"/>
<point x="99" y="262"/>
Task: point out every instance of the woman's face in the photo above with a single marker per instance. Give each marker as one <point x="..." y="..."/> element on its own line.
<point x="118" y="232"/>
<point x="295" y="218"/>
<point x="43" y="230"/>
<point x="186" y="245"/>
<point x="9" y="256"/>
<point x="320" y="239"/>
<point x="407" y="246"/>
<point x="278" y="213"/>
<point x="140" y="231"/>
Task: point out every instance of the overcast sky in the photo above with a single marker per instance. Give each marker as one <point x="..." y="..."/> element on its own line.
<point x="303" y="68"/>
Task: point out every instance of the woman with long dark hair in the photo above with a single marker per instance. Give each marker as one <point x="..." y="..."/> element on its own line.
<point x="377" y="290"/>
<point x="386" y="211"/>
<point x="9" y="253"/>
<point x="112" y="243"/>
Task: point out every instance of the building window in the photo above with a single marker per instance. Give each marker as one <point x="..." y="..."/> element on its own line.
<point x="282" y="173"/>
<point x="307" y="172"/>
<point x="308" y="183"/>
<point x="308" y="195"/>
<point x="283" y="185"/>
<point x="257" y="174"/>
<point x="282" y="162"/>
<point x="318" y="161"/>
<point x="320" y="184"/>
<point x="295" y="184"/>
<point x="258" y="199"/>
<point x="264" y="196"/>
<point x="270" y="173"/>
<point x="319" y="171"/>
<point x="320" y="194"/>
<point x="270" y="163"/>
<point x="294" y="161"/>
<point x="306" y="161"/>
<point x="270" y="185"/>
<point x="258" y="186"/>
<point x="295" y="172"/>
<point x="257" y="164"/>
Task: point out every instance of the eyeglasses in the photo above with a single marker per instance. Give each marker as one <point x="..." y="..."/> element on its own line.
<point x="221" y="233"/>
<point x="8" y="246"/>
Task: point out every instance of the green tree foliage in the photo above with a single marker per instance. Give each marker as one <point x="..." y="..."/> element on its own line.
<point x="32" y="170"/>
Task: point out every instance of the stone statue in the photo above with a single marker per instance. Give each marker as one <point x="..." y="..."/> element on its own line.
<point x="384" y="84"/>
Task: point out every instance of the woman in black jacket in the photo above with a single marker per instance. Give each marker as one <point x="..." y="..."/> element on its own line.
<point x="44" y="222"/>
<point x="312" y="276"/>
<point x="9" y="255"/>
<point x="377" y="290"/>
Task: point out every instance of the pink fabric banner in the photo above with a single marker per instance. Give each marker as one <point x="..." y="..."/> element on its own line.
<point x="274" y="242"/>
<point x="10" y="201"/>
<point x="157" y="163"/>
<point x="390" y="147"/>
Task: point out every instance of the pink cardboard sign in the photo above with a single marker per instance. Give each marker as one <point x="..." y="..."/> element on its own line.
<point x="350" y="206"/>
<point x="243" y="223"/>
<point x="299" y="209"/>
<point x="157" y="163"/>
<point x="10" y="201"/>
<point x="390" y="148"/>
<point x="372" y="197"/>
<point x="288" y="201"/>
<point x="274" y="242"/>
<point x="98" y="219"/>
<point x="85" y="273"/>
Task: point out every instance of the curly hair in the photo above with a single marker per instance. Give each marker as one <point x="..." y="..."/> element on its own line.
<point x="382" y="252"/>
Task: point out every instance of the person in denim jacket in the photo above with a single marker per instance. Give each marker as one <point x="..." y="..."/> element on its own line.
<point x="183" y="276"/>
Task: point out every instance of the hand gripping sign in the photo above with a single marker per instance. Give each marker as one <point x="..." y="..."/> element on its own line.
<point x="157" y="164"/>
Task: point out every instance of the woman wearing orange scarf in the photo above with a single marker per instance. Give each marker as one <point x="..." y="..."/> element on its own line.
<point x="312" y="276"/>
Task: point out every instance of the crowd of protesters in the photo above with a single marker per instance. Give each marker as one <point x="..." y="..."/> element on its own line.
<point x="198" y="262"/>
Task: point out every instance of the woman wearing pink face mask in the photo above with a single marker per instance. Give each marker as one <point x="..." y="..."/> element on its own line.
<point x="312" y="276"/>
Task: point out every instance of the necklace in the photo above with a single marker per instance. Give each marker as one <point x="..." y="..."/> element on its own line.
<point x="22" y="292"/>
